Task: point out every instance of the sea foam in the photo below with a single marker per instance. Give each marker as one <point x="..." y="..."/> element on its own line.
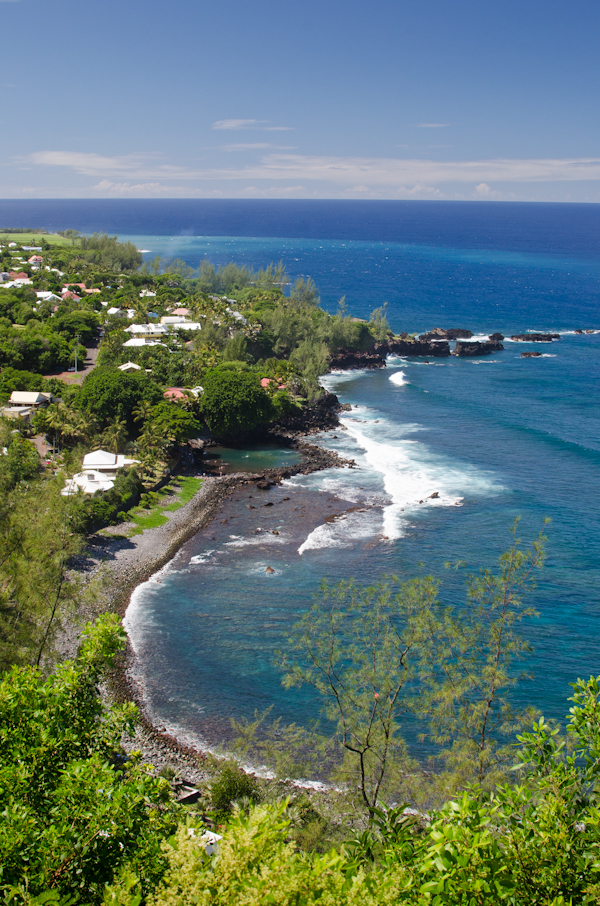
<point x="398" y="378"/>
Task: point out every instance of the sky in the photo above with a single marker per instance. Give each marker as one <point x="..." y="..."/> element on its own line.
<point x="427" y="99"/>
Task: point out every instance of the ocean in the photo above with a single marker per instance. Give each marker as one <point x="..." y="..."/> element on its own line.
<point x="497" y="437"/>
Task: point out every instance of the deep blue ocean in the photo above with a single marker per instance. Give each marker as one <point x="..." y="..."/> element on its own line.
<point x="496" y="438"/>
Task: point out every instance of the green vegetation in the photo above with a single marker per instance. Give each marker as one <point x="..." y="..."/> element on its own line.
<point x="491" y="820"/>
<point x="151" y="513"/>
<point x="234" y="401"/>
<point x="73" y="809"/>
<point x="85" y="824"/>
<point x="33" y="237"/>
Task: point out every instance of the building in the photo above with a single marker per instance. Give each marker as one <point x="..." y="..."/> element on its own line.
<point x="144" y="341"/>
<point x="89" y="482"/>
<point x="150" y="331"/>
<point x="98" y="472"/>
<point x="24" y="403"/>
<point x="105" y="462"/>
<point x="130" y="366"/>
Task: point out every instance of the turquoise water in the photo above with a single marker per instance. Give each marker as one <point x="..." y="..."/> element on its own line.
<point x="497" y="438"/>
<point x="227" y="460"/>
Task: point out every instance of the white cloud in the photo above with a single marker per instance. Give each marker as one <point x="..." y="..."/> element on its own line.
<point x="83" y="162"/>
<point x="238" y="124"/>
<point x="484" y="191"/>
<point x="390" y="171"/>
<point x="278" y="172"/>
<point x="249" y="124"/>
<point x="256" y="146"/>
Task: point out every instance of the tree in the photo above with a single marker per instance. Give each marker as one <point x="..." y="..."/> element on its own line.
<point x="106" y="394"/>
<point x="234" y="401"/>
<point x="73" y="810"/>
<point x="378" y="323"/>
<point x="359" y="647"/>
<point x="115" y="435"/>
<point x="37" y="528"/>
<point x="305" y="292"/>
<point x="172" y="424"/>
<point x="376" y="654"/>
<point x="467" y="668"/>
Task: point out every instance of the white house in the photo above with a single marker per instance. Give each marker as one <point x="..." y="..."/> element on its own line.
<point x="153" y="331"/>
<point x="143" y="341"/>
<point x="174" y="319"/>
<point x="130" y="366"/>
<point x="89" y="482"/>
<point x="105" y="463"/>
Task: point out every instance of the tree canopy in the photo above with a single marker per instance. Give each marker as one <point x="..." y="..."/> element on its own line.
<point x="108" y="393"/>
<point x="234" y="401"/>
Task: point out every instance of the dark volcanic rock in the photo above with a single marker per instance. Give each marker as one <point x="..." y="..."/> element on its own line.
<point x="530" y="355"/>
<point x="496" y="336"/>
<point x="345" y="360"/>
<point x="477" y="348"/>
<point x="454" y="333"/>
<point x="417" y="347"/>
<point x="535" y="337"/>
<point x="317" y="416"/>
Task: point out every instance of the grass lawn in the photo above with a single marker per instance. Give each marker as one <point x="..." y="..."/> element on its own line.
<point x="154" y="516"/>
<point x="34" y="238"/>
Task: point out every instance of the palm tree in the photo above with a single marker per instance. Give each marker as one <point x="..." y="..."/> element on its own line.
<point x="143" y="411"/>
<point x="115" y="434"/>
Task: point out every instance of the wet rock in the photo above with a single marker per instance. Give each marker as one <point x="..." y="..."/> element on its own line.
<point x="434" y="496"/>
<point x="346" y="359"/>
<point x="476" y="348"/>
<point x="269" y="570"/>
<point x="263" y="484"/>
<point x="413" y="347"/>
<point x="535" y="337"/>
<point x="454" y="333"/>
<point x="496" y="336"/>
<point x="530" y="355"/>
<point x="274" y="532"/>
<point x="270" y="503"/>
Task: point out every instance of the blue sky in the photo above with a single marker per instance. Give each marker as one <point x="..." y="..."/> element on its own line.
<point x="255" y="98"/>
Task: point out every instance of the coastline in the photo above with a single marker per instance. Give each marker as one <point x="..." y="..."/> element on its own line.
<point x="123" y="564"/>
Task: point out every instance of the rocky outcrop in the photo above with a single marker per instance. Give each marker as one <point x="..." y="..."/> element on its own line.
<point x="410" y="347"/>
<point x="530" y="355"/>
<point x="477" y="348"/>
<point x="317" y="416"/>
<point x="496" y="336"/>
<point x="345" y="360"/>
<point x="454" y="333"/>
<point x="535" y="337"/>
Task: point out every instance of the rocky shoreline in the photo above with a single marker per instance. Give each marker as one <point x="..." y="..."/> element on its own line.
<point x="122" y="564"/>
<point x="434" y="344"/>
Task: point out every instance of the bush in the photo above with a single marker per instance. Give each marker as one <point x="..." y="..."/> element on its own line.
<point x="233" y="785"/>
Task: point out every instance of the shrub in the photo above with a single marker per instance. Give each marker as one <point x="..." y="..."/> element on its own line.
<point x="233" y="785"/>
